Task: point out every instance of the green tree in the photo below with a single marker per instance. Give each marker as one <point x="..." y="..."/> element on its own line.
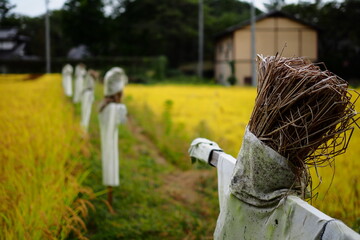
<point x="339" y="40"/>
<point x="170" y="27"/>
<point x="84" y="22"/>
<point x="5" y="9"/>
<point x="221" y="14"/>
<point x="161" y="27"/>
<point x="274" y="5"/>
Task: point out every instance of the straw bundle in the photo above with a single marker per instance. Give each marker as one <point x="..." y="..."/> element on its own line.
<point x="302" y="112"/>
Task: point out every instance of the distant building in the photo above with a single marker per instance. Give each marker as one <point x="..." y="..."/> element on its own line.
<point x="12" y="44"/>
<point x="274" y="31"/>
<point x="79" y="52"/>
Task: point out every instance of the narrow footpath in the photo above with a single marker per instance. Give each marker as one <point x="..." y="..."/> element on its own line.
<point x="155" y="199"/>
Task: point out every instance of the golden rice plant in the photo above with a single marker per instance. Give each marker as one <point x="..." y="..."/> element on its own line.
<point x="8" y="78"/>
<point x="226" y="111"/>
<point x="40" y="173"/>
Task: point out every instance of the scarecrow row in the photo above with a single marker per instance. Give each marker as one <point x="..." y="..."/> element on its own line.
<point x="111" y="113"/>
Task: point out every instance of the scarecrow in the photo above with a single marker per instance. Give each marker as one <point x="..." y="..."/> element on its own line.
<point x="302" y="118"/>
<point x="111" y="113"/>
<point x="67" y="72"/>
<point x="80" y="72"/>
<point x="87" y="98"/>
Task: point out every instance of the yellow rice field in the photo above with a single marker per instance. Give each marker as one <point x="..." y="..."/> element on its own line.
<point x="40" y="175"/>
<point x="225" y="111"/>
<point x="40" y="139"/>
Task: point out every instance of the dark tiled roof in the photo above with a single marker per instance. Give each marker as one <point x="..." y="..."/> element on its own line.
<point x="8" y="33"/>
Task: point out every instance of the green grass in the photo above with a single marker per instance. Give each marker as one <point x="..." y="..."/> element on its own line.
<point x="170" y="138"/>
<point x="144" y="206"/>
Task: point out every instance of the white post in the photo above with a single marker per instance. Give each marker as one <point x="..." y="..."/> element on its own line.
<point x="238" y="219"/>
<point x="47" y="37"/>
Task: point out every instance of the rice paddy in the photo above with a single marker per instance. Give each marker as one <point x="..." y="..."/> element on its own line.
<point x="41" y="171"/>
<point x="44" y="157"/>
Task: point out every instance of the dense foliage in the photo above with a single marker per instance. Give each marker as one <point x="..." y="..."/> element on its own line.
<point x="132" y="28"/>
<point x="170" y="28"/>
<point x="339" y="40"/>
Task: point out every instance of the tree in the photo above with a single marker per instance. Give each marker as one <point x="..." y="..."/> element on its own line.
<point x="221" y="14"/>
<point x="339" y="40"/>
<point x="169" y="27"/>
<point x="135" y="27"/>
<point x="161" y="27"/>
<point x="274" y="5"/>
<point x="84" y="22"/>
<point x="5" y="8"/>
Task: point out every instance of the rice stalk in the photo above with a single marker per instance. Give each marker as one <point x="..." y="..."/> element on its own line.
<point x="40" y="173"/>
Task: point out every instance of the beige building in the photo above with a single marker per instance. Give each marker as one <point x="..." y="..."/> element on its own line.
<point x="276" y="32"/>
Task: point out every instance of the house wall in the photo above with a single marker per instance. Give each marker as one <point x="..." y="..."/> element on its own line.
<point x="224" y="53"/>
<point x="273" y="35"/>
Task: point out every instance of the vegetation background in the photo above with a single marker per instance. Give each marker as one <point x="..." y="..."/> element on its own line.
<point x="51" y="185"/>
<point x="162" y="195"/>
<point x="143" y="28"/>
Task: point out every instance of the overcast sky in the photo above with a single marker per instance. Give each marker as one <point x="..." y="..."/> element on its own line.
<point x="34" y="7"/>
<point x="37" y="7"/>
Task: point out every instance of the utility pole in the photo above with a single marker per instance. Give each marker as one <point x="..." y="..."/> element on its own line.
<point x="47" y="37"/>
<point x="201" y="40"/>
<point x="253" y="45"/>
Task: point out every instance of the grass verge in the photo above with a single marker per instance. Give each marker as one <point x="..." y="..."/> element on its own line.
<point x="156" y="199"/>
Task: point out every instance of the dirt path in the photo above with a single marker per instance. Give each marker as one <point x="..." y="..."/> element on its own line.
<point x="147" y="146"/>
<point x="182" y="186"/>
<point x="185" y="186"/>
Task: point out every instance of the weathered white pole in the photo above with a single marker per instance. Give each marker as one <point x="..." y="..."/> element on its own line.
<point x="201" y="40"/>
<point x="47" y="37"/>
<point x="237" y="220"/>
<point x="253" y="45"/>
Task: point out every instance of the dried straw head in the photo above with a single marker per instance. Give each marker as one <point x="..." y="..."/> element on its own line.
<point x="302" y="112"/>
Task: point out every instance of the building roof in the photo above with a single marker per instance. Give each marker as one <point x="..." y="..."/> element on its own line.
<point x="8" y="33"/>
<point x="233" y="28"/>
<point x="12" y="43"/>
<point x="12" y="34"/>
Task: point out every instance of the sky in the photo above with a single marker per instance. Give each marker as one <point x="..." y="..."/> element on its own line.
<point x="34" y="8"/>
